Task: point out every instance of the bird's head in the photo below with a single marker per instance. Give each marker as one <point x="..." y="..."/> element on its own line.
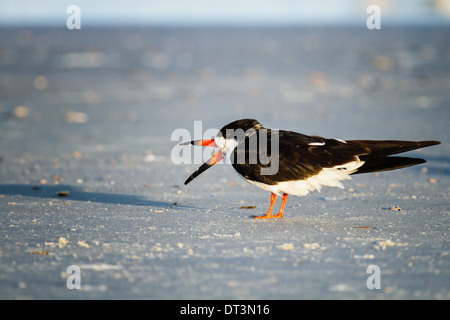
<point x="227" y="139"/>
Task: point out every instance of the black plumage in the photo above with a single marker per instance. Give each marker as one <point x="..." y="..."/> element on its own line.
<point x="302" y="156"/>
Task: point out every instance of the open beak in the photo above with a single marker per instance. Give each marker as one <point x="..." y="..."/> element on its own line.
<point x="208" y="164"/>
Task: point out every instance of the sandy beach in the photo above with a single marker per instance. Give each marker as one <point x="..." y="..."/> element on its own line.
<point x="87" y="178"/>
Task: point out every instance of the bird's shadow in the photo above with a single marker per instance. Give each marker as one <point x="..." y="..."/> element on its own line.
<point x="70" y="192"/>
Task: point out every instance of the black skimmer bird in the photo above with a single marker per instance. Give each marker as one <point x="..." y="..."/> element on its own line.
<point x="302" y="163"/>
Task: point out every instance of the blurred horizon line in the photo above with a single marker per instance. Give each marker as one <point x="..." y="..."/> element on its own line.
<point x="216" y="13"/>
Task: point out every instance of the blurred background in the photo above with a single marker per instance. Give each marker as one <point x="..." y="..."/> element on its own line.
<point x="137" y="70"/>
<point x="215" y="12"/>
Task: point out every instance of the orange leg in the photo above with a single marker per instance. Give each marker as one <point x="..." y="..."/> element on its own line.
<point x="269" y="212"/>
<point x="283" y="201"/>
<point x="272" y="201"/>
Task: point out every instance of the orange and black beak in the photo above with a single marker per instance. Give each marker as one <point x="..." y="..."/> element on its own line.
<point x="208" y="164"/>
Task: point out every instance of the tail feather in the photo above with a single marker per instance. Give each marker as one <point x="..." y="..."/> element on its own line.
<point x="379" y="159"/>
<point x="388" y="147"/>
<point x="377" y="164"/>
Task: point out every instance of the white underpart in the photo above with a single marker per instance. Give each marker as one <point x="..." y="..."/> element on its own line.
<point x="331" y="177"/>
